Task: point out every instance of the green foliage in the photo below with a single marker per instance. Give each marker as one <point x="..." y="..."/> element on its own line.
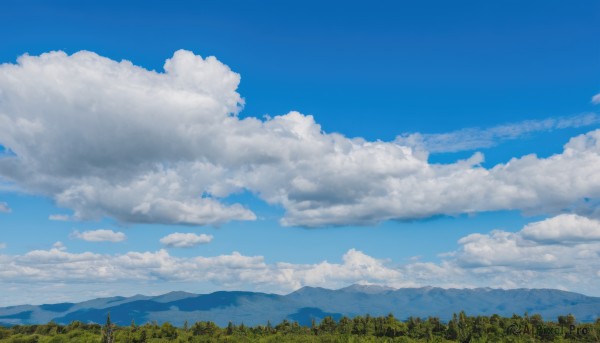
<point x="461" y="328"/>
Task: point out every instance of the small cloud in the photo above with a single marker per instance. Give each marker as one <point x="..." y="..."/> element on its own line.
<point x="596" y="99"/>
<point x="59" y="246"/>
<point x="60" y="217"/>
<point x="415" y="258"/>
<point x="4" y="208"/>
<point x="563" y="229"/>
<point x="2" y="245"/>
<point x="99" y="236"/>
<point x="185" y="240"/>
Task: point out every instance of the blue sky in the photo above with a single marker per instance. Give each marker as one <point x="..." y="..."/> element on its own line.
<point x="369" y="189"/>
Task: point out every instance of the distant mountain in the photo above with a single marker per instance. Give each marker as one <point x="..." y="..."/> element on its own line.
<point x="307" y="303"/>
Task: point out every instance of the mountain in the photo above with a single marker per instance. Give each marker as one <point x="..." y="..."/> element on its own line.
<point x="307" y="303"/>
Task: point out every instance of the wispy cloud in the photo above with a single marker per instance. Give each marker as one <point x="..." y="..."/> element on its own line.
<point x="59" y="217"/>
<point x="4" y="208"/>
<point x="478" y="138"/>
<point x="99" y="236"/>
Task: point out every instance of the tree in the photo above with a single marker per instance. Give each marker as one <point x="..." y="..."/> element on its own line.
<point x="107" y="331"/>
<point x="327" y="325"/>
<point x="230" y="329"/>
<point x="345" y="326"/>
<point x="168" y="331"/>
<point x="464" y="327"/>
<point x="452" y="333"/>
<point x="566" y="320"/>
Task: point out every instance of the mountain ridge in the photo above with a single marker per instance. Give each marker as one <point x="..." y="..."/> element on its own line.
<point x="308" y="303"/>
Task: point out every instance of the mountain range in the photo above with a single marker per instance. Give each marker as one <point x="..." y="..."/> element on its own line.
<point x="308" y="303"/>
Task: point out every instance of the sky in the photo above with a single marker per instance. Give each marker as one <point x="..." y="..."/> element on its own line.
<point x="153" y="146"/>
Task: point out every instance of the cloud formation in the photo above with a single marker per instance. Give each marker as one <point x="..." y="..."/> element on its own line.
<point x="107" y="138"/>
<point x="59" y="265"/>
<point x="99" y="236"/>
<point x="563" y="229"/>
<point x="185" y="240"/>
<point x="4" y="208"/>
<point x="476" y="138"/>
<point x="59" y="217"/>
<point x="497" y="259"/>
<point x="110" y="139"/>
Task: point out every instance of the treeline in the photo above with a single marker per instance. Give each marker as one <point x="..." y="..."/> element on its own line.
<point x="461" y="328"/>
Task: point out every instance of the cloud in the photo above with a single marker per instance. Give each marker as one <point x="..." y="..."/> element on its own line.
<point x="562" y="251"/>
<point x="119" y="140"/>
<point x="563" y="228"/>
<point x="596" y="99"/>
<point x="234" y="270"/>
<point x="59" y="217"/>
<point x="497" y="259"/>
<point x="59" y="246"/>
<point x="107" y="138"/>
<point x="185" y="240"/>
<point x="2" y="245"/>
<point x="4" y="208"/>
<point x="99" y="236"/>
<point x="476" y="138"/>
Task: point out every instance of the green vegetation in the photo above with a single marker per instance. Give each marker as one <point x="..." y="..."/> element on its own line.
<point x="461" y="328"/>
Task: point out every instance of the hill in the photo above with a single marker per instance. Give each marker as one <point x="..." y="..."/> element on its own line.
<point x="307" y="303"/>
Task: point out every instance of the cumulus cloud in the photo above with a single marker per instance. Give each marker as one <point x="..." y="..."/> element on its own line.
<point x="497" y="259"/>
<point x="563" y="228"/>
<point x="185" y="240"/>
<point x="107" y="138"/>
<point x="562" y="251"/>
<point x="4" y="208"/>
<point x="596" y="99"/>
<point x="58" y="265"/>
<point x="99" y="236"/>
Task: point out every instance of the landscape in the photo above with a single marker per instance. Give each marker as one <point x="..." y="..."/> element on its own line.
<point x="309" y="171"/>
<point x="314" y="314"/>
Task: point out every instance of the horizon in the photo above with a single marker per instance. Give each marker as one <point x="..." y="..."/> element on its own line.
<point x="389" y="289"/>
<point x="217" y="146"/>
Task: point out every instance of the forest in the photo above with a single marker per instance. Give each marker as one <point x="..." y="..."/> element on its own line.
<point x="461" y="328"/>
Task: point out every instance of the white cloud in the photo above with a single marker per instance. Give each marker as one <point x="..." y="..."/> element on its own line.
<point x="234" y="270"/>
<point x="563" y="228"/>
<point x="99" y="236"/>
<point x="4" y="208"/>
<point x="596" y="99"/>
<point x="59" y="217"/>
<point x="185" y="240"/>
<point x="107" y="138"/>
<point x="119" y="140"/>
<point x="59" y="246"/>
<point x="561" y="251"/>
<point x="2" y="245"/>
<point x="477" y="138"/>
<point x="498" y="259"/>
